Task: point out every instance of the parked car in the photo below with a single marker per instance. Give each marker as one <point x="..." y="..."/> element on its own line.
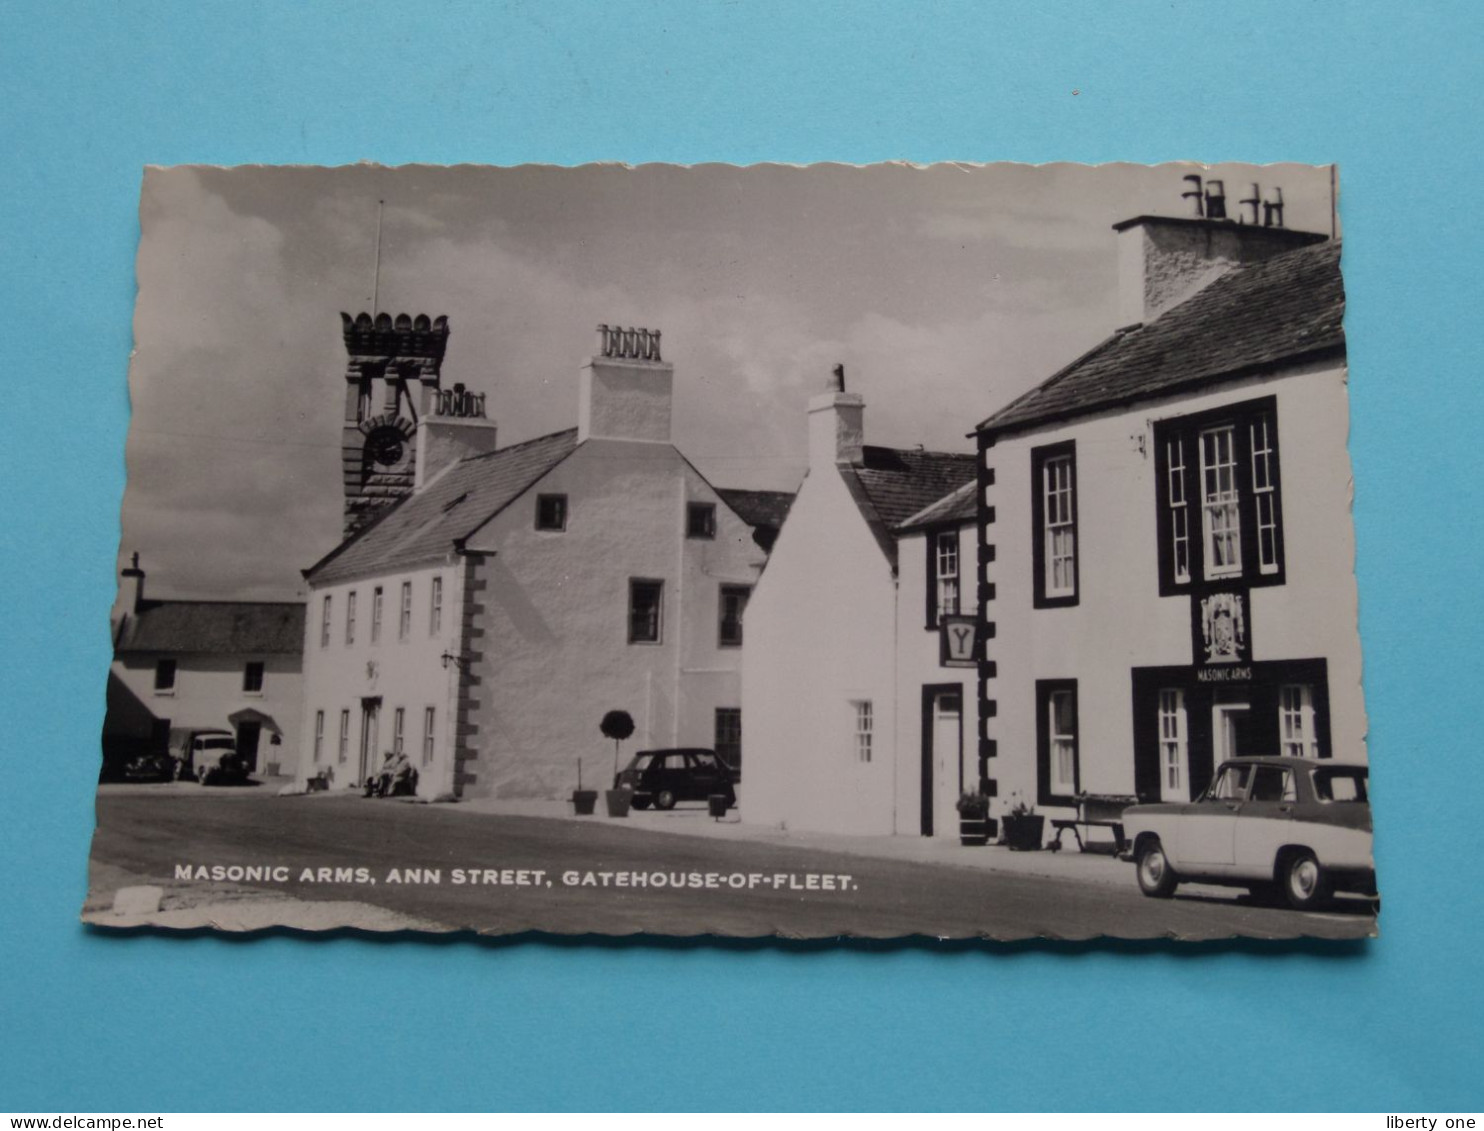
<point x="663" y="777"/>
<point x="1293" y="826"/>
<point x="208" y="754"/>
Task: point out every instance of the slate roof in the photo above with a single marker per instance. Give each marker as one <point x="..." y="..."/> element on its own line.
<point x="891" y="485"/>
<point x="959" y="506"/>
<point x="758" y="508"/>
<point x="214" y="628"/>
<point x="1278" y="312"/>
<point x="424" y="527"/>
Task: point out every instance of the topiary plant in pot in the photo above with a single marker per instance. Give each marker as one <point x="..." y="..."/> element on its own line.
<point x="974" y="825"/>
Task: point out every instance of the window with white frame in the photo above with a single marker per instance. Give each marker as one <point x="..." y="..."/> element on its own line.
<point x="1298" y="734"/>
<point x="319" y="736"/>
<point x="350" y="617"/>
<point x="946" y="562"/>
<point x="324" y="622"/>
<point x="404" y="616"/>
<point x="429" y="732"/>
<point x="865" y="729"/>
<point x="1062" y="720"/>
<point x="1220" y="521"/>
<point x="376" y="603"/>
<point x="1264" y="494"/>
<point x="343" y="749"/>
<point x="399" y="720"/>
<point x="1057" y="770"/>
<point x="1054" y="518"/>
<point x="1173" y="749"/>
<point x="435" y="608"/>
<point x="1225" y="462"/>
<point x="1179" y="509"/>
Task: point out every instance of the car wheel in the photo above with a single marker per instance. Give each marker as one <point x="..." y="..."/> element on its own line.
<point x="664" y="799"/>
<point x="1156" y="877"/>
<point x="1305" y="883"/>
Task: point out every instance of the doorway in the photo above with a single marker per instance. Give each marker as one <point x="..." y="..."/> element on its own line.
<point x="1231" y="727"/>
<point x="370" y="725"/>
<point x="942" y="757"/>
<point x="249" y="734"/>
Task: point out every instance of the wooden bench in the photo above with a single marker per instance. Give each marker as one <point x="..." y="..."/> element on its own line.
<point x="1094" y="810"/>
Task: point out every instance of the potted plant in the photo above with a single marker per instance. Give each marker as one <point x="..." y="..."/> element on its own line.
<point x="584" y="801"/>
<point x="974" y="825"/>
<point x="1023" y="826"/>
<point x="617" y="725"/>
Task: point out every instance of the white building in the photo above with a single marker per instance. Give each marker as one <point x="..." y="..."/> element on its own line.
<point x="839" y="674"/>
<point x="228" y="664"/>
<point x="1166" y="568"/>
<point x="496" y="602"/>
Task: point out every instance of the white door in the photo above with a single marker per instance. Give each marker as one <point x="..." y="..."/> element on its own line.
<point x="949" y="779"/>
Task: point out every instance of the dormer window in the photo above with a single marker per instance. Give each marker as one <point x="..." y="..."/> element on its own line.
<point x="700" y="520"/>
<point x="551" y="512"/>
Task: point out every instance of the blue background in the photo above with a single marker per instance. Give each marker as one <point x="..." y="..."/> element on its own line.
<point x="89" y="93"/>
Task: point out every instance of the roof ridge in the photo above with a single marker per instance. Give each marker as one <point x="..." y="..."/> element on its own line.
<point x="515" y="447"/>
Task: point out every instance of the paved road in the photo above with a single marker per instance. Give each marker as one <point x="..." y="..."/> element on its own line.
<point x="148" y="833"/>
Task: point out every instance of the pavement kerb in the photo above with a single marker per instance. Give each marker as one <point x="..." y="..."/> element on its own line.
<point x="1070" y="864"/>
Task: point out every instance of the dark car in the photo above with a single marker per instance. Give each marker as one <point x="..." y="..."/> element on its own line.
<point x="663" y="777"/>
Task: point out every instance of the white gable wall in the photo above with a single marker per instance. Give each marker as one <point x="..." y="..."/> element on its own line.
<point x="820" y="637"/>
<point x="554" y="654"/>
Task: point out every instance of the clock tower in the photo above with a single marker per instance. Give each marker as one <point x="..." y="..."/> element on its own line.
<point x="392" y="380"/>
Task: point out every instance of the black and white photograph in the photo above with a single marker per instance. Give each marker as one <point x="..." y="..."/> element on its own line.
<point x="954" y="550"/>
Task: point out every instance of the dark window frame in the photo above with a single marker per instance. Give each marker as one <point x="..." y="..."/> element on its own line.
<point x="167" y="672"/>
<point x="1040" y="457"/>
<point x="732" y="713"/>
<point x="705" y="529"/>
<point x="1045" y="689"/>
<point x="249" y="669"/>
<point x="722" y="621"/>
<point x="638" y="585"/>
<point x="1242" y="416"/>
<point x="556" y="521"/>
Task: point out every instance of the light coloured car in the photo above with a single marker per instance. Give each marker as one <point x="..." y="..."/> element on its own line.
<point x="1291" y="826"/>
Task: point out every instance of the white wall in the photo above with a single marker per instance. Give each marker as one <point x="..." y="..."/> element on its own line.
<point x="1121" y="622"/>
<point x="820" y="634"/>
<point x="557" y="654"/>
<point x="405" y="672"/>
<point x="208" y="689"/>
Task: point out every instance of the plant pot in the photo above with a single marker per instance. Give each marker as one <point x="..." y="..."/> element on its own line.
<point x="974" y="831"/>
<point x="716" y="805"/>
<point x="618" y="801"/>
<point x="1023" y="833"/>
<point x="584" y="801"/>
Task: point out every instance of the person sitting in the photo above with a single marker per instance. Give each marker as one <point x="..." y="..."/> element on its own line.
<point x="397" y="778"/>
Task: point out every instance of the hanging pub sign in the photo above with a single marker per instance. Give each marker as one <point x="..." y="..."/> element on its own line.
<point x="957" y="636"/>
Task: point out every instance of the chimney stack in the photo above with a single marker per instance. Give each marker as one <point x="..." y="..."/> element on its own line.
<point x="836" y="424"/>
<point x="625" y="389"/>
<point x="133" y="573"/>
<point x="455" y="429"/>
<point x="1163" y="260"/>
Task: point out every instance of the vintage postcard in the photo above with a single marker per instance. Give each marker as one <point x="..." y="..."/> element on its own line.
<point x="955" y="551"/>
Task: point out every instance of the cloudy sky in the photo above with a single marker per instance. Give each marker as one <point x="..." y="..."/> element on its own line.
<point x="945" y="291"/>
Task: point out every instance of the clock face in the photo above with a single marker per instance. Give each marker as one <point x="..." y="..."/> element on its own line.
<point x="385" y="446"/>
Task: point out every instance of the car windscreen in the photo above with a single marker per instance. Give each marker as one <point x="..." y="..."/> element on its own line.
<point x="222" y="743"/>
<point x="1340" y="784"/>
